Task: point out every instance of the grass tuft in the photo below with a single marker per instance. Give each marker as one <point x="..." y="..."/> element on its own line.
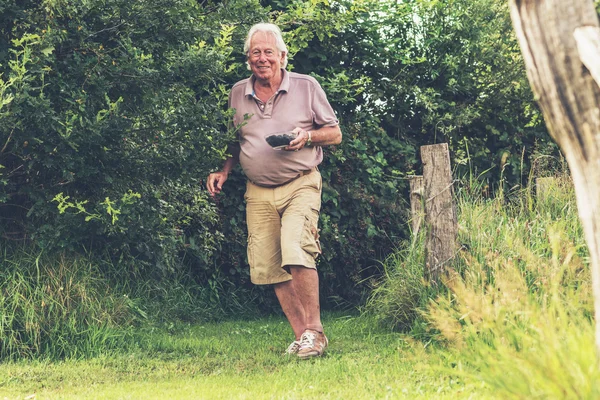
<point x="57" y="307"/>
<point x="397" y="297"/>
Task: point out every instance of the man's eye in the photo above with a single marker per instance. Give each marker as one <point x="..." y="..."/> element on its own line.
<point x="269" y="53"/>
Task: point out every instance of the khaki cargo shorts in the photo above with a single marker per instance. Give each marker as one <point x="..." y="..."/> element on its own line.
<point x="282" y="227"/>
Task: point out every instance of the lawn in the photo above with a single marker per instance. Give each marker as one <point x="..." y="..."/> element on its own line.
<point x="244" y="360"/>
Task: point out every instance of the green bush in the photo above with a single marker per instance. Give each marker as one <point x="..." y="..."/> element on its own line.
<point x="362" y="217"/>
<point x="111" y="115"/>
<point x="397" y="82"/>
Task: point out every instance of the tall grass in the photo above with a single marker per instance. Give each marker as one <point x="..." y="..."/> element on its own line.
<point x="402" y="290"/>
<point x="518" y="312"/>
<point x="72" y="306"/>
<point x="57" y="306"/>
<point x="180" y="298"/>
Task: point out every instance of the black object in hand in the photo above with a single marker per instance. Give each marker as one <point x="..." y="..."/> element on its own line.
<point x="280" y="139"/>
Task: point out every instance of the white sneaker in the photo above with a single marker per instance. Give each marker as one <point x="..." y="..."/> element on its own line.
<point x="293" y="347"/>
<point x="312" y="344"/>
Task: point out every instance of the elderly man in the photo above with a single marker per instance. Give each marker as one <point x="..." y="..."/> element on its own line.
<point x="283" y="192"/>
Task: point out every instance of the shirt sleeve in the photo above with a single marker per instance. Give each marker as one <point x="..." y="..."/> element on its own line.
<point x="323" y="114"/>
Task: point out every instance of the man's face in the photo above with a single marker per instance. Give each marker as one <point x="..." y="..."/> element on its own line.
<point x="263" y="57"/>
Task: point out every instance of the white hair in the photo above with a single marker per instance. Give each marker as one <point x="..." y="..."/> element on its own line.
<point x="272" y="30"/>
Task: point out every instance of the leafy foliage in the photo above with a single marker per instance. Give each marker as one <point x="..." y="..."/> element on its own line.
<point x="115" y="111"/>
<point x="402" y="75"/>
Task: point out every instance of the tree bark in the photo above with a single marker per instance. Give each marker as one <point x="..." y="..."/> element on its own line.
<point x="569" y="99"/>
<point x="588" y="45"/>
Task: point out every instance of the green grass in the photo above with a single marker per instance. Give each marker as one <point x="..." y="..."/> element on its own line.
<point x="244" y="360"/>
<point x="67" y="305"/>
<point x="402" y="290"/>
<point x="57" y="307"/>
<point x="519" y="311"/>
<point x="516" y="308"/>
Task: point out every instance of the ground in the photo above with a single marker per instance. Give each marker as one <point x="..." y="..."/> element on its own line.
<point x="244" y="360"/>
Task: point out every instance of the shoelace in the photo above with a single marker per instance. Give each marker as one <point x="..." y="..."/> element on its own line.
<point x="293" y="348"/>
<point x="307" y="340"/>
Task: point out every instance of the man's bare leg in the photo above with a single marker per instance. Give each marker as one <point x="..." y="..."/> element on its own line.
<point x="306" y="282"/>
<point x="306" y="286"/>
<point x="292" y="306"/>
<point x="299" y="300"/>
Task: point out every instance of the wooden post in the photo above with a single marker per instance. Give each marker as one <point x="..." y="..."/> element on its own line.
<point x="440" y="215"/>
<point x="417" y="205"/>
<point x="560" y="42"/>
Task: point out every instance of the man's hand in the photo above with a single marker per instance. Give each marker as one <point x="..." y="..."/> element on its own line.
<point x="215" y="182"/>
<point x="300" y="140"/>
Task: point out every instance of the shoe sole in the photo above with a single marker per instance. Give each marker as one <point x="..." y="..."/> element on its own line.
<point x="312" y="354"/>
<point x="308" y="355"/>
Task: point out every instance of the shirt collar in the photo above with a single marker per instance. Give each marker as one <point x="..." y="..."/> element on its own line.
<point x="285" y="81"/>
<point x="284" y="86"/>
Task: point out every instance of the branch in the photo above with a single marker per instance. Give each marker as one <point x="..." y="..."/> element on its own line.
<point x="441" y="191"/>
<point x="112" y="28"/>
<point x="8" y="140"/>
<point x="588" y="45"/>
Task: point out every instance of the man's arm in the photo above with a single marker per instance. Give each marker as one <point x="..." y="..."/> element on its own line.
<point x="215" y="181"/>
<point x="324" y="136"/>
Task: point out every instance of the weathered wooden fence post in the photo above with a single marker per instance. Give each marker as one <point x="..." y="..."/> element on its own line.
<point x="440" y="215"/>
<point x="417" y="205"/>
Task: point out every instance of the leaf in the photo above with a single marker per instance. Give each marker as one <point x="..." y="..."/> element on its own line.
<point x="48" y="50"/>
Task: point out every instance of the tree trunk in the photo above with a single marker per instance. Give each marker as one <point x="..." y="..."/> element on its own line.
<point x="569" y="98"/>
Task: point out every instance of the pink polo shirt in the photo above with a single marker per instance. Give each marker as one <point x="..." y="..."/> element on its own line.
<point x="299" y="102"/>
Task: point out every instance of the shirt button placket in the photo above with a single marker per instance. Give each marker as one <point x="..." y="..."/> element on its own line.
<point x="269" y="108"/>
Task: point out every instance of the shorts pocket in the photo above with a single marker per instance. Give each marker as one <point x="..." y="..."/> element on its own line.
<point x="310" y="234"/>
